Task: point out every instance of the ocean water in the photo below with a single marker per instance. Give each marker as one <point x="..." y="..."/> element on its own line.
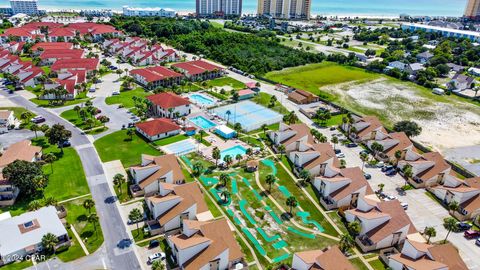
<point x="324" y="7"/>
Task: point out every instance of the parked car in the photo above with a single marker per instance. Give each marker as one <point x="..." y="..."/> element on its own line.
<point x="471" y="234"/>
<point x="64" y="144"/>
<point x="391" y="172"/>
<point x="387" y="168"/>
<point x="153" y="244"/>
<point x="477" y="242"/>
<point x="131" y="125"/>
<point x="390" y="198"/>
<point x="124" y="243"/>
<point x="338" y="151"/>
<point x="38" y="119"/>
<point x="364" y="152"/>
<point x="404" y="205"/>
<point x="333" y="128"/>
<point x="352" y="145"/>
<point x="463" y="226"/>
<point x="340" y="155"/>
<point x="156" y="257"/>
<point x="380" y="164"/>
<point x="367" y="176"/>
<point x="115" y="93"/>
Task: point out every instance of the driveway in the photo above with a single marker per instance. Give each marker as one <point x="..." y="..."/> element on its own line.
<point x="14" y="136"/>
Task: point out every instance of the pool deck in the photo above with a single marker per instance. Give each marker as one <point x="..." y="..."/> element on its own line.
<point x="221" y="144"/>
<point x="215" y="100"/>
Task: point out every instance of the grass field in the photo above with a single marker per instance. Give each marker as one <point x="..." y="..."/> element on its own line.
<point x="264" y="100"/>
<point x="169" y="140"/>
<point x="118" y="146"/>
<point x="73" y="117"/>
<point x="225" y="81"/>
<point x="17" y="111"/>
<point x="67" y="180"/>
<point x="77" y="217"/>
<point x="313" y="77"/>
<point x="125" y="97"/>
<point x="45" y="103"/>
<point x="17" y="265"/>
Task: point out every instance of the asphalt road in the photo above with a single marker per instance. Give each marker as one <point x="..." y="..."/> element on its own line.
<point x="113" y="226"/>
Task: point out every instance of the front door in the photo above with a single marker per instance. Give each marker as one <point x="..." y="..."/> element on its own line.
<point x="354" y="200"/>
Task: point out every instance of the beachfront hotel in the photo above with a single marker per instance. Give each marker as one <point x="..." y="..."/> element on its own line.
<point x="446" y="32"/>
<point x="472" y="10"/>
<point x="285" y="9"/>
<point x="29" y="7"/>
<point x="218" y="8"/>
<point x="148" y="12"/>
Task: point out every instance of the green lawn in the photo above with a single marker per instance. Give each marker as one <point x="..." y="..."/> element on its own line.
<point x="225" y="81"/>
<point x="336" y="120"/>
<point x="377" y="265"/>
<point x="125" y="97"/>
<point x="17" y="111"/>
<point x="264" y="100"/>
<point x="71" y="253"/>
<point x="17" y="265"/>
<point x="45" y="103"/>
<point x="169" y="140"/>
<point x="358" y="264"/>
<point x="216" y="24"/>
<point x="118" y="146"/>
<point x="138" y="234"/>
<point x="212" y="207"/>
<point x="313" y="77"/>
<point x="73" y="117"/>
<point x="77" y="216"/>
<point x="123" y="194"/>
<point x="67" y="179"/>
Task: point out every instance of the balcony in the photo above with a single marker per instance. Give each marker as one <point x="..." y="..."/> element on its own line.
<point x="136" y="191"/>
<point x="328" y="203"/>
<point x="365" y="244"/>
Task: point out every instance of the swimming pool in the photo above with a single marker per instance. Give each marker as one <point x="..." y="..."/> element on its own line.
<point x="233" y="152"/>
<point x="202" y="122"/>
<point x="201" y="100"/>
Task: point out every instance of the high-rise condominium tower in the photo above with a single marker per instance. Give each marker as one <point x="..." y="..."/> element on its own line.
<point x="209" y="8"/>
<point x="473" y="9"/>
<point x="29" y="7"/>
<point x="285" y="9"/>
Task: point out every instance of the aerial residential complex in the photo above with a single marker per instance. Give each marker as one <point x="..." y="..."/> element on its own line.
<point x="285" y="9"/>
<point x="218" y="8"/>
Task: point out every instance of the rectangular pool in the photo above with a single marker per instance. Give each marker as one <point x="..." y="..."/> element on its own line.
<point x="233" y="152"/>
<point x="201" y="100"/>
<point x="202" y="122"/>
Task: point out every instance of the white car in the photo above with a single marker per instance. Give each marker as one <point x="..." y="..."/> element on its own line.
<point x="156" y="257"/>
<point x="115" y="93"/>
<point x="390" y="198"/>
<point x="340" y="155"/>
<point x="404" y="205"/>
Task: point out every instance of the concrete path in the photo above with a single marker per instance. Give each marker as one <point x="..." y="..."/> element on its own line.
<point x="79" y="240"/>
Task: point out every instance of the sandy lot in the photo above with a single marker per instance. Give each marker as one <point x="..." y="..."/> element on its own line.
<point x="446" y="122"/>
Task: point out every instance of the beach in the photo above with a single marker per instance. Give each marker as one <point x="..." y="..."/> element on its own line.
<point x="343" y="8"/>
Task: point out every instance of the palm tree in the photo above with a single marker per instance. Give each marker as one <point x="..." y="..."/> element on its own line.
<point x="35" y="128"/>
<point x="197" y="168"/>
<point x="49" y="242"/>
<point x="26" y="116"/>
<point x="346" y="242"/>
<point x="34" y="205"/>
<point x="430" y="232"/>
<point x="216" y="155"/>
<point x="158" y="265"/>
<point x="77" y="109"/>
<point x="228" y="160"/>
<point x="93" y="218"/>
<point x="135" y="216"/>
<point x="407" y="172"/>
<point x="334" y="140"/>
<point x="49" y="158"/>
<point x="281" y="149"/>
<point x="354" y="227"/>
<point x="238" y="157"/>
<point x="50" y="201"/>
<point x="291" y="202"/>
<point x="453" y="206"/>
<point x="376" y="148"/>
<point x="398" y="156"/>
<point x="450" y="224"/>
<point x="225" y="194"/>
<point x="228" y="113"/>
<point x="118" y="180"/>
<point x="364" y="158"/>
<point x="130" y="133"/>
<point x="88" y="204"/>
<point x="224" y="179"/>
<point x="305" y="175"/>
<point x="270" y="180"/>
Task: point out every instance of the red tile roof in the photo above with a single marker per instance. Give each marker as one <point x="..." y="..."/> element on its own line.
<point x="157" y="126"/>
<point x="168" y="100"/>
<point x="76" y="64"/>
<point x="62" y="32"/>
<point x="245" y="92"/>
<point x="17" y="32"/>
<point x="154" y="74"/>
<point x="197" y="67"/>
<point x="52" y="45"/>
<point x="38" y="25"/>
<point x="62" y="54"/>
<point x="36" y="71"/>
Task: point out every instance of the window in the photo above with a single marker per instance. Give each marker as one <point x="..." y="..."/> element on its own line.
<point x="28" y="224"/>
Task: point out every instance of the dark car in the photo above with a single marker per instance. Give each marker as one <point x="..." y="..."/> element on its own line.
<point x="352" y="145"/>
<point x="364" y="152"/>
<point x="333" y="128"/>
<point x="124" y="243"/>
<point x="131" y="125"/>
<point x="477" y="242"/>
<point x="391" y="173"/>
<point x="463" y="226"/>
<point x="10" y="91"/>
<point x="38" y="119"/>
<point x="153" y="244"/>
<point x="337" y="151"/>
<point x="64" y="144"/>
<point x="471" y="234"/>
<point x="367" y="176"/>
<point x="387" y="168"/>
